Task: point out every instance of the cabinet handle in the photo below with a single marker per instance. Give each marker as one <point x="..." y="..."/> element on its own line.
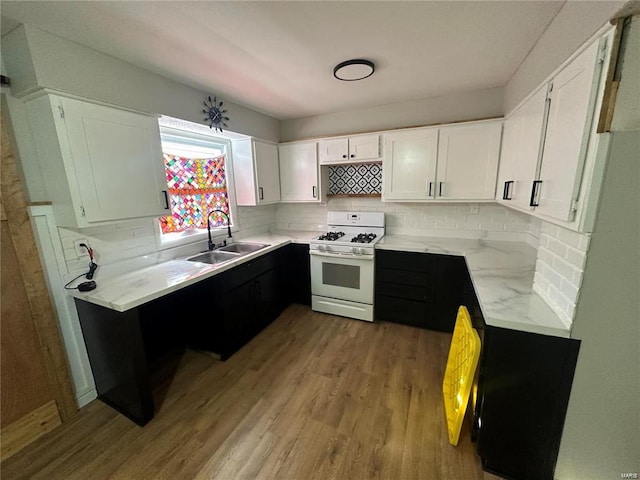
<point x="261" y="193"/>
<point x="313" y="190"/>
<point x="166" y="200"/>
<point x="344" y="156"/>
<point x="352" y="155"/>
<point x="507" y="190"/>
<point x="440" y="189"/>
<point x="430" y="188"/>
<point x="534" y="194"/>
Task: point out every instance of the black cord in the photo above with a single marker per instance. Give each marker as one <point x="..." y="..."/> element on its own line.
<point x="66" y="287"/>
<point x="92" y="269"/>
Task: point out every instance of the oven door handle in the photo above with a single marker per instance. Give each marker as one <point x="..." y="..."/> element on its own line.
<point x="340" y="255"/>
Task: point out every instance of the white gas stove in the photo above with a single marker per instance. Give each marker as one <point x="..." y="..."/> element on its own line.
<point x="342" y="264"/>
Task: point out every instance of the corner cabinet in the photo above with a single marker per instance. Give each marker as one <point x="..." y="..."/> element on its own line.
<point x="256" y="172"/>
<point x="299" y="172"/>
<point x="355" y="149"/>
<point x="547" y="139"/>
<point x="458" y="162"/>
<point x="100" y="163"/>
<point x="523" y="132"/>
<point x="523" y="389"/>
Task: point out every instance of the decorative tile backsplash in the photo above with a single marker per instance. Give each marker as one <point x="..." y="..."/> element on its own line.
<point x="360" y="179"/>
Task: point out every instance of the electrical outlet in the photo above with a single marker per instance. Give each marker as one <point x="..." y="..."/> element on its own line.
<point x="81" y="251"/>
<point x="473" y="208"/>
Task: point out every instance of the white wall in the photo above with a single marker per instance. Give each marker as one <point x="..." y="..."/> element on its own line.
<point x="575" y="23"/>
<point x="37" y="59"/>
<point x="464" y="106"/>
<point x="601" y="437"/>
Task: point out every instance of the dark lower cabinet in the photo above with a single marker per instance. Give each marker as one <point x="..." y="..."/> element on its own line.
<point x="131" y="352"/>
<point x="297" y="274"/>
<point x="420" y="289"/>
<point x="239" y="303"/>
<point x="524" y="384"/>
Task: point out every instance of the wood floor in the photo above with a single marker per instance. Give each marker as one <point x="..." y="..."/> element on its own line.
<point x="312" y="397"/>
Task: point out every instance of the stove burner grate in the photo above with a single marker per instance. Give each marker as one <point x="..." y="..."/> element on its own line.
<point x="331" y="236"/>
<point x="364" y="238"/>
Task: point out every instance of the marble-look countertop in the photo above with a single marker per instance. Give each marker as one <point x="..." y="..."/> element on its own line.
<point x="132" y="289"/>
<point x="502" y="274"/>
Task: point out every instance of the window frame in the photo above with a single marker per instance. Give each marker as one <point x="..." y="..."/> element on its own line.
<point x="169" y="240"/>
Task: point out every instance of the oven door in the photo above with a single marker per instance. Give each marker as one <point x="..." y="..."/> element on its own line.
<point x="345" y="277"/>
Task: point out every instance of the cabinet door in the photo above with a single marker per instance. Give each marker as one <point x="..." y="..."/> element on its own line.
<point x="451" y="292"/>
<point x="521" y="142"/>
<point x="468" y="161"/>
<point x="298" y="172"/>
<point x="117" y="159"/>
<point x="568" y="127"/>
<point x="333" y="150"/>
<point x="364" y="147"/>
<point x="267" y="172"/>
<point x="409" y="165"/>
<point x="268" y="301"/>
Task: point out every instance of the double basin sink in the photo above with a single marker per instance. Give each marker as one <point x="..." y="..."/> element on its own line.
<point x="227" y="253"/>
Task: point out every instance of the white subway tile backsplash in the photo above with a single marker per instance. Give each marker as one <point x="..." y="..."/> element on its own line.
<point x="556" y="246"/>
<point x="559" y="267"/>
<point x="414" y="218"/>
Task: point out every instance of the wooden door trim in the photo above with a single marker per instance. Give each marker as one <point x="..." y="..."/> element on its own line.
<point x="14" y="206"/>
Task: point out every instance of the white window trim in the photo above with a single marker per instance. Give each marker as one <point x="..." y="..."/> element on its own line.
<point x="170" y="240"/>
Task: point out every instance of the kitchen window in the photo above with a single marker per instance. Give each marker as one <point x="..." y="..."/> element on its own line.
<point x="198" y="180"/>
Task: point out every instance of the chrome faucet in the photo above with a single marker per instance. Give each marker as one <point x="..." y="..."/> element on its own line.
<point x="211" y="245"/>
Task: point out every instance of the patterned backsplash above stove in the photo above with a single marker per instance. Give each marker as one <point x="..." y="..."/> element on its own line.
<point x="360" y="179"/>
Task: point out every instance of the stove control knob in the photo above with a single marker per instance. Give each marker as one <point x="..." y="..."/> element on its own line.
<point x="355" y="251"/>
<point x="322" y="248"/>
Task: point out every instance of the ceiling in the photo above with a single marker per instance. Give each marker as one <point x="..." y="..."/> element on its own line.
<point x="278" y="57"/>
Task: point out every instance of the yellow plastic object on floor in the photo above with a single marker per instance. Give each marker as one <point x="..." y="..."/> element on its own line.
<point x="458" y="376"/>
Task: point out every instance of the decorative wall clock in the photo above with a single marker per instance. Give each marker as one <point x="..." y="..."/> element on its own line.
<point x="215" y="114"/>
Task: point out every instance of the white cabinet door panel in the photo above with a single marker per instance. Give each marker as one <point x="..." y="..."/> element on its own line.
<point x="118" y="161"/>
<point x="570" y="115"/>
<point x="364" y="147"/>
<point x="298" y="172"/>
<point x="468" y="161"/>
<point x="521" y="142"/>
<point x="333" y="150"/>
<point x="409" y="165"/>
<point x="268" y="172"/>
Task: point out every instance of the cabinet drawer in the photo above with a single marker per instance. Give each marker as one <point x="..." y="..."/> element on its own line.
<point x="400" y="310"/>
<point x="409" y="261"/>
<point x="409" y="292"/>
<point x="403" y="277"/>
<point x="247" y="271"/>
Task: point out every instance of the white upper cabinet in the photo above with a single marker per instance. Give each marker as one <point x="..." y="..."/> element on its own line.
<point x="256" y="173"/>
<point x="468" y="161"/>
<point x="359" y="148"/>
<point x="572" y="98"/>
<point x="100" y="163"/>
<point x="458" y="162"/>
<point x="409" y="165"/>
<point x="519" y="158"/>
<point x="299" y="178"/>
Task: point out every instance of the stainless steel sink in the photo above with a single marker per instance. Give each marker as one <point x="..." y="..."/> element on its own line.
<point x="243" y="247"/>
<point x="215" y="257"/>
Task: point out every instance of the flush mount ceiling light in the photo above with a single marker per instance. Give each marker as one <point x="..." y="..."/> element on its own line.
<point x="352" y="70"/>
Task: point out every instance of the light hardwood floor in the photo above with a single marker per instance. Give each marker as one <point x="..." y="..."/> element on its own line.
<point x="313" y="396"/>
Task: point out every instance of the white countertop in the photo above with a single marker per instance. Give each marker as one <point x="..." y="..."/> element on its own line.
<point x="502" y="275"/>
<point x="132" y="289"/>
